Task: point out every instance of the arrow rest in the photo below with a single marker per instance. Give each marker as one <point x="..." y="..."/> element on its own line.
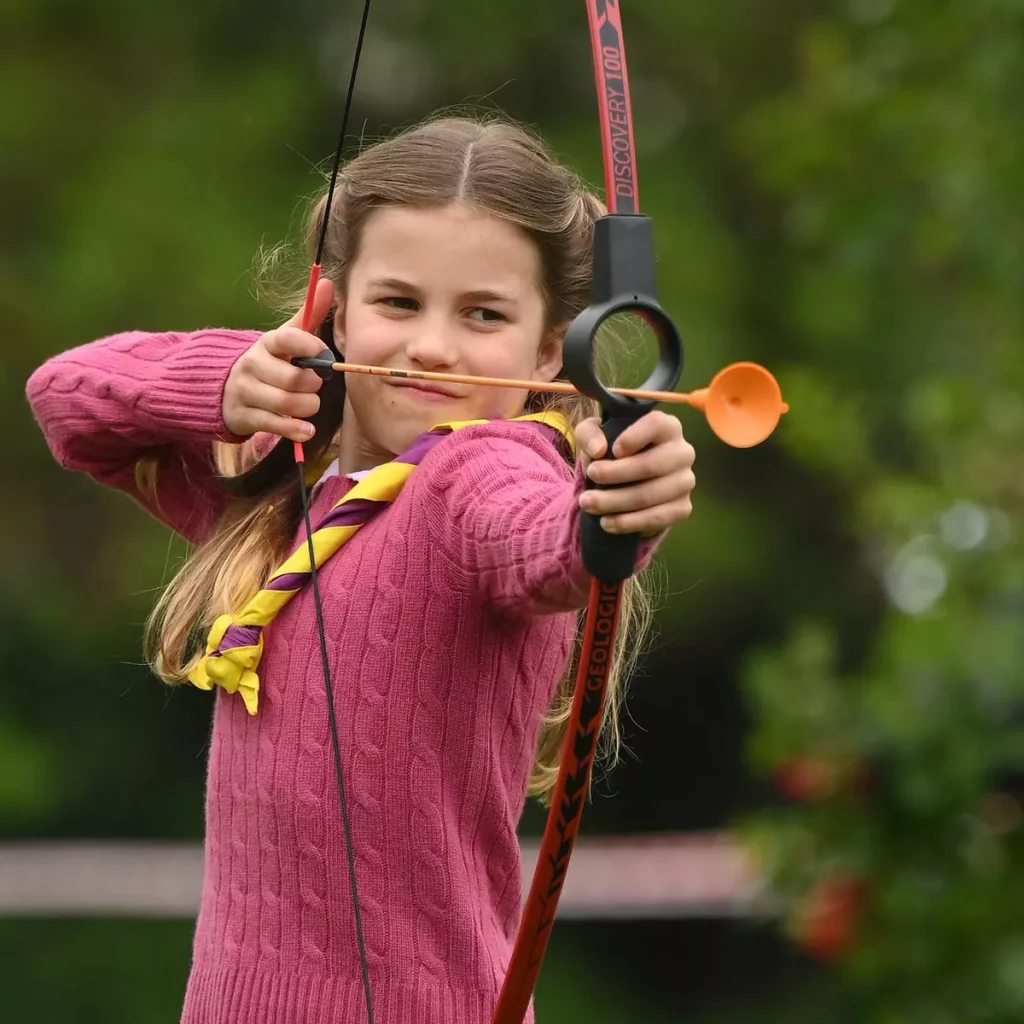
<point x="322" y="364"/>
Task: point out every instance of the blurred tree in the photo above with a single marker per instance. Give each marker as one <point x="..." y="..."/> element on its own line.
<point x="894" y="160"/>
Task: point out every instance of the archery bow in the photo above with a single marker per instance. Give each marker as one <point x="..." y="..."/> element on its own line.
<point x="743" y="405"/>
<point x="623" y="281"/>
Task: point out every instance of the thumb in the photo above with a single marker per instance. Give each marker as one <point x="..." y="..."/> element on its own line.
<point x="590" y="440"/>
<point x="319" y="305"/>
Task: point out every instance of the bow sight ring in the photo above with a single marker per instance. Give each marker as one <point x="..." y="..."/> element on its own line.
<point x="623" y="282"/>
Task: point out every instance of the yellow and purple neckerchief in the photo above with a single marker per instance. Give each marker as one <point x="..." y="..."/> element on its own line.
<point x="235" y="643"/>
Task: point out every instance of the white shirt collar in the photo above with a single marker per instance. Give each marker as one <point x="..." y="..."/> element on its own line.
<point x="334" y="470"/>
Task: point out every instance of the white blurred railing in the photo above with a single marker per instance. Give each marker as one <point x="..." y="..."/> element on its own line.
<point x="691" y="875"/>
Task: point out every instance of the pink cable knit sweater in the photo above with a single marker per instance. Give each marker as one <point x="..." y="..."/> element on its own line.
<point x="449" y="619"/>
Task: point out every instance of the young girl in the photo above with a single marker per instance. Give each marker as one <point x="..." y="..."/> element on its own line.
<point x="451" y="615"/>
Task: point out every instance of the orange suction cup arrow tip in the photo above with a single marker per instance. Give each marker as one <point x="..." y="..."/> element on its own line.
<point x="743" y="404"/>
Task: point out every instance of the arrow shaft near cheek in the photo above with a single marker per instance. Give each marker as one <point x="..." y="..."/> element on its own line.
<point x="556" y="387"/>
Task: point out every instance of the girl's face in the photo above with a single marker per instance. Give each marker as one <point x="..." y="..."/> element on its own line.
<point x="450" y="290"/>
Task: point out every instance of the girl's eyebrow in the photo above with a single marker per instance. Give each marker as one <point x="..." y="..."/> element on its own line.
<point x="475" y="295"/>
<point x="394" y="283"/>
<point x="486" y="295"/>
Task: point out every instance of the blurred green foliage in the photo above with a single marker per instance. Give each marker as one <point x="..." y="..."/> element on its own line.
<point x="836" y="189"/>
<point x="895" y="157"/>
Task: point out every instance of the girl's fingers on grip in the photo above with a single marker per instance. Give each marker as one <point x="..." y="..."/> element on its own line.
<point x="655" y="461"/>
<point x="590" y="438"/>
<point x="649" y="521"/>
<point x="647" y="495"/>
<point x="655" y="427"/>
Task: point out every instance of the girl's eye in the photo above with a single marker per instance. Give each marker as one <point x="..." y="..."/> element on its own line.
<point x="489" y="316"/>
<point x="399" y="302"/>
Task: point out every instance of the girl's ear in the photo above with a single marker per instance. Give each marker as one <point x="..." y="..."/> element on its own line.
<point x="338" y="329"/>
<point x="549" y="355"/>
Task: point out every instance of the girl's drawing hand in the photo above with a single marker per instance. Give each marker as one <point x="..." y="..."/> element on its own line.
<point x="264" y="391"/>
<point x="654" y="462"/>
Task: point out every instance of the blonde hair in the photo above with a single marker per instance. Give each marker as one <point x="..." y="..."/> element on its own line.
<point x="505" y="171"/>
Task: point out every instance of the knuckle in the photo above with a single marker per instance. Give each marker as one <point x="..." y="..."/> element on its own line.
<point x="684" y="481"/>
<point x="311" y="380"/>
<point x="282" y="402"/>
<point x="290" y="378"/>
<point x="266" y="422"/>
<point x="661" y="519"/>
<point x="307" y="405"/>
<point x="289" y="403"/>
<point x="306" y="381"/>
<point x="661" y="422"/>
<point x="243" y="367"/>
<point x="243" y="393"/>
<point x="284" y="346"/>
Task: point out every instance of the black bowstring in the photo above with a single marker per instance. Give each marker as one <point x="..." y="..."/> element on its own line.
<point x="318" y="604"/>
<point x="341" y="136"/>
<point x="336" y="745"/>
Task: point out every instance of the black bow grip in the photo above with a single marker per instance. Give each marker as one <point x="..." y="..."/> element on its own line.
<point x="623" y="282"/>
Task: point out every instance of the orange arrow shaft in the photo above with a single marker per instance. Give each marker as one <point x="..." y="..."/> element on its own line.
<point x="556" y="387"/>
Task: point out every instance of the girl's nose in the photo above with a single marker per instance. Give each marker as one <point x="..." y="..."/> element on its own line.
<point x="431" y="345"/>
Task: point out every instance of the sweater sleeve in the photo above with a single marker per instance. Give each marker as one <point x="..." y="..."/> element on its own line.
<point x="105" y="405"/>
<point x="503" y="515"/>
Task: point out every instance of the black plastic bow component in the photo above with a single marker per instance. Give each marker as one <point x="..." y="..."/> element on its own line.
<point x="623" y="282"/>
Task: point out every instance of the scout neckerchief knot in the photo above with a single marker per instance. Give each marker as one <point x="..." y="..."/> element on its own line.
<point x="235" y="643"/>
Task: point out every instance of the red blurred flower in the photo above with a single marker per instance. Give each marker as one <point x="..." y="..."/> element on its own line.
<point x="807" y="778"/>
<point x="812" y="777"/>
<point x="826" y="922"/>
